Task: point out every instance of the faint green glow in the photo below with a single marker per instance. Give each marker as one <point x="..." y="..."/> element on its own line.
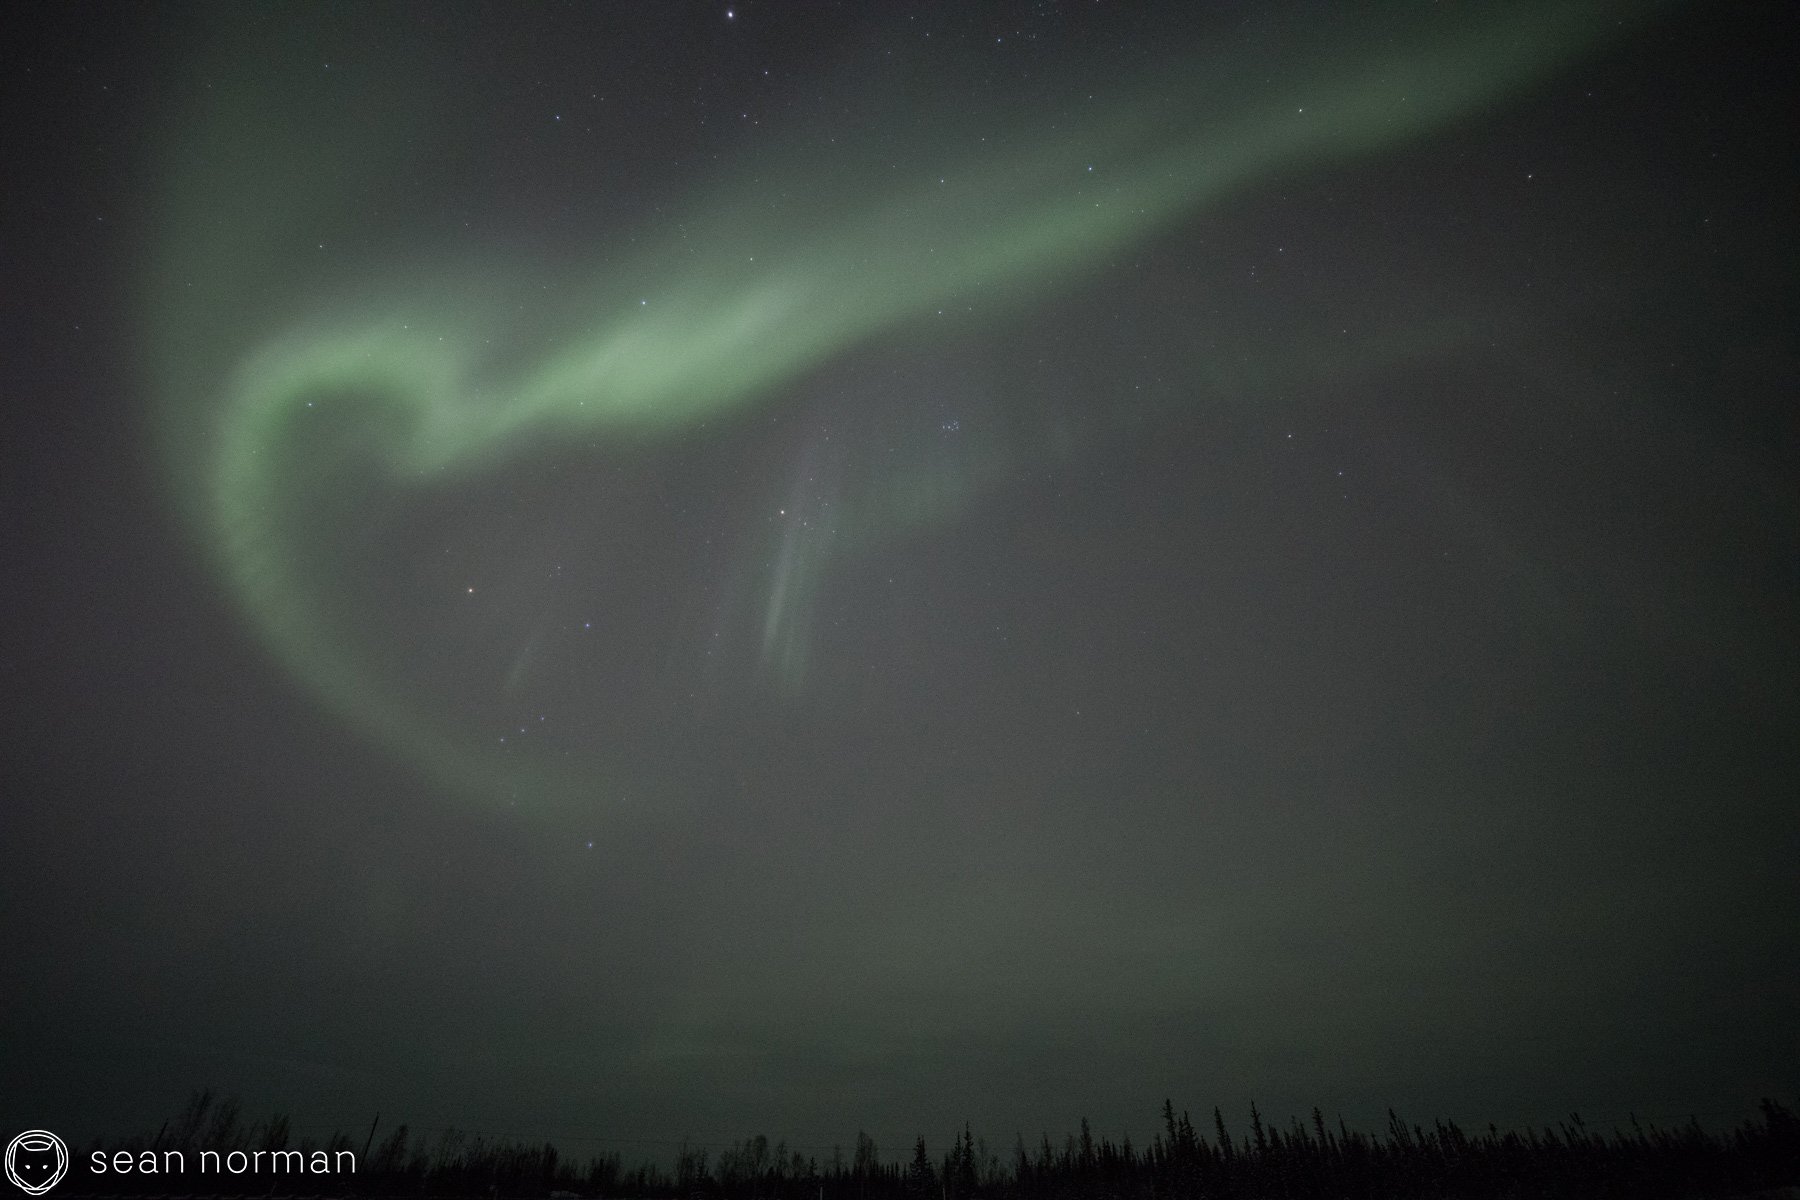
<point x="430" y="374"/>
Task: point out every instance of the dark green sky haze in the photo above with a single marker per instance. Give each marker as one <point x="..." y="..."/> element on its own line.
<point x="645" y="571"/>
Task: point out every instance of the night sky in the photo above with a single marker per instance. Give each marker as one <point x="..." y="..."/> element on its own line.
<point x="657" y="570"/>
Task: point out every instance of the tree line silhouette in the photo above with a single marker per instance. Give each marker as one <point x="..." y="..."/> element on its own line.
<point x="1298" y="1162"/>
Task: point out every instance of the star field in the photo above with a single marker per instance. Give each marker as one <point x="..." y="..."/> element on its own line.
<point x="667" y="570"/>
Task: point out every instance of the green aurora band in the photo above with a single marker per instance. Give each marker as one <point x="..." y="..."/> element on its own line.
<point x="431" y="383"/>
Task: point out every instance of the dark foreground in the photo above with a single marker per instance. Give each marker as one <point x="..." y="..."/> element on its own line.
<point x="1761" y="1157"/>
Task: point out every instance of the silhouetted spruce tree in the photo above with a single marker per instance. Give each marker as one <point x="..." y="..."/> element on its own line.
<point x="960" y="1179"/>
<point x="921" y="1180"/>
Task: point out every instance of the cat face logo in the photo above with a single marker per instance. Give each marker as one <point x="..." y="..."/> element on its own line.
<point x="35" y="1160"/>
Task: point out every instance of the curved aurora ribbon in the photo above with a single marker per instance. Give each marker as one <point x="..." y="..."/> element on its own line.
<point x="770" y="279"/>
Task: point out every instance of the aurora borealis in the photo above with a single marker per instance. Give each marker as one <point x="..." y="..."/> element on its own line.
<point x="743" y="304"/>
<point x="669" y="571"/>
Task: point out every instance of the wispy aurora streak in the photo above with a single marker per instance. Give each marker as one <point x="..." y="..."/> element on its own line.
<point x="430" y="382"/>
